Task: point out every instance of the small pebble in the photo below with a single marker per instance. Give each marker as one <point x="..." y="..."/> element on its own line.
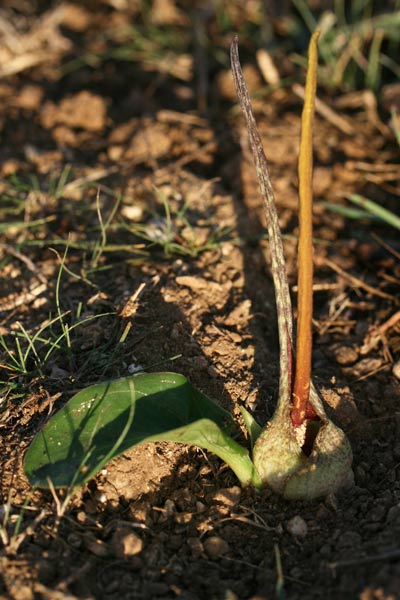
<point x="349" y="539"/>
<point x="100" y="497"/>
<point x="228" y="496"/>
<point x="296" y="572"/>
<point x="152" y="589"/>
<point x="196" y="547"/>
<point x="297" y="527"/>
<point x="215" y="547"/>
<point x="131" y="212"/>
<point x="360" y="475"/>
<point x="74" y="540"/>
<point x="396" y="451"/>
<point x="325" y="550"/>
<point x="80" y="517"/>
<point x="169" y="507"/>
<point x="377" y="514"/>
<point x="200" y="507"/>
<point x="393" y="515"/>
<point x="58" y="373"/>
<point x="95" y="546"/>
<point x="322" y="513"/>
<point x="200" y="362"/>
<point x="345" y="355"/>
<point x="134" y="368"/>
<point x="396" y="369"/>
<point x="175" y="542"/>
<point x="126" y="543"/>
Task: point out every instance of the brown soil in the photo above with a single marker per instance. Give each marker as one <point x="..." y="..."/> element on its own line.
<point x="165" y="521"/>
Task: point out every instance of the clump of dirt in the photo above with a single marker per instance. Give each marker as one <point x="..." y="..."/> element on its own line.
<point x="158" y="212"/>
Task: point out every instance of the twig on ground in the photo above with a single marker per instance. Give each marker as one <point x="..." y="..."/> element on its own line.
<point x="76" y="574"/>
<point x="355" y="281"/>
<point x="333" y="318"/>
<point x="387" y="246"/>
<point x="365" y="560"/>
<point x="21" y="63"/>
<point x="20" y="299"/>
<point x="49" y="594"/>
<point x="377" y="334"/>
<point x="42" y="43"/>
<point x="320" y="287"/>
<point x="325" y="111"/>
<point x="383" y="367"/>
<point x="25" y="259"/>
<point x="94" y="175"/>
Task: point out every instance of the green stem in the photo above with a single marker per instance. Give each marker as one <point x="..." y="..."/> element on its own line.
<point x="238" y="459"/>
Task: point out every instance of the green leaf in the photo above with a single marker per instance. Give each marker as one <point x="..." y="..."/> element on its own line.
<point x="375" y="209"/>
<point x="104" y="420"/>
<point x="253" y="428"/>
<point x="348" y="211"/>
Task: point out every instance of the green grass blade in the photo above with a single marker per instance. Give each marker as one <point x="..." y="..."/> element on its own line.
<point x="374" y="209"/>
<point x="24" y="225"/>
<point x="373" y="69"/>
<point x="395" y="124"/>
<point x="14" y="364"/>
<point x="347" y="211"/>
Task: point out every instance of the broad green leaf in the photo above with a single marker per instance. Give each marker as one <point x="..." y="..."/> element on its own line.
<point x="104" y="420"/>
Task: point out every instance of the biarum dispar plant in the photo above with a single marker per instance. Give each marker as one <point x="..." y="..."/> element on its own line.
<point x="300" y="453"/>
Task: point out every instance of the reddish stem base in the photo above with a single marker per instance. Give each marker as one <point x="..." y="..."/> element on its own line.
<point x="299" y="414"/>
